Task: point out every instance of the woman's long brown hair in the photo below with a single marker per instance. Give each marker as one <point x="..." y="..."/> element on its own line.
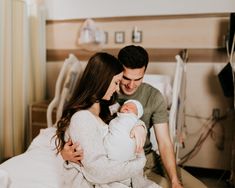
<point x="97" y="76"/>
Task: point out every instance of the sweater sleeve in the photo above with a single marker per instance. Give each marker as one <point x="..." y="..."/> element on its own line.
<point x="97" y="167"/>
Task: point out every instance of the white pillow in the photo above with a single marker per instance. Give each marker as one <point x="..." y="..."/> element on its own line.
<point x="162" y="83"/>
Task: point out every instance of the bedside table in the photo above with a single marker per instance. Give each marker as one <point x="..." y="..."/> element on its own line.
<point x="38" y="118"/>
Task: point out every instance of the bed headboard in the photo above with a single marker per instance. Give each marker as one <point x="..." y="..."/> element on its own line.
<point x="175" y="94"/>
<point x="66" y="82"/>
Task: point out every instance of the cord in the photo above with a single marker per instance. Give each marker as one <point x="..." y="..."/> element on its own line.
<point x="197" y="146"/>
<point x="205" y="125"/>
<point x="201" y="140"/>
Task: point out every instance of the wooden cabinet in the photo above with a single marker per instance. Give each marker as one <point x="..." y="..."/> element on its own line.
<point x="37" y="118"/>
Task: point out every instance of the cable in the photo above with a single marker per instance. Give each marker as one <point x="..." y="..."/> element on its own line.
<point x="200" y="141"/>
<point x="197" y="146"/>
<point x="205" y="125"/>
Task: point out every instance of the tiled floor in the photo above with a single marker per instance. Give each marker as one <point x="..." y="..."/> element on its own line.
<point x="212" y="178"/>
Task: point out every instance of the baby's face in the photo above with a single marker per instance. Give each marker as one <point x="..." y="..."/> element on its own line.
<point x="129" y="107"/>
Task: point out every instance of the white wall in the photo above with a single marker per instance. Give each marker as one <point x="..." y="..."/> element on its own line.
<point x="73" y="9"/>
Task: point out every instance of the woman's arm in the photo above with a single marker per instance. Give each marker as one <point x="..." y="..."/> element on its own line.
<point x="97" y="168"/>
<point x="72" y="152"/>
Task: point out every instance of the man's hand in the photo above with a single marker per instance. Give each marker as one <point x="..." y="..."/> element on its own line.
<point x="176" y="184"/>
<point x="139" y="133"/>
<point x="72" y="152"/>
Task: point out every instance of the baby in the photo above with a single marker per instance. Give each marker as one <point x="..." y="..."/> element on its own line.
<point x="118" y="143"/>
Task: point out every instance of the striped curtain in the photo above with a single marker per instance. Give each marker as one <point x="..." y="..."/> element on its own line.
<point x="22" y="70"/>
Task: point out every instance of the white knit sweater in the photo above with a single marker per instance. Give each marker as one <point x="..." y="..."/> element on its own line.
<point x="98" y="170"/>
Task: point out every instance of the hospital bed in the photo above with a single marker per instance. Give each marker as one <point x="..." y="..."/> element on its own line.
<point x="40" y="166"/>
<point x="174" y="95"/>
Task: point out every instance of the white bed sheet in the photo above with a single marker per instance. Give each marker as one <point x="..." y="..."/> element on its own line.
<point x="38" y="167"/>
<point x="163" y="83"/>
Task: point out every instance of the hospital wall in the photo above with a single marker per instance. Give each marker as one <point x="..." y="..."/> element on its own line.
<point x="164" y="37"/>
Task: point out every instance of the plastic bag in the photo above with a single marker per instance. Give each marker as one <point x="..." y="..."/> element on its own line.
<point x="90" y="36"/>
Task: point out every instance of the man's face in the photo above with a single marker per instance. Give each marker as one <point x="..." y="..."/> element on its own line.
<point x="132" y="78"/>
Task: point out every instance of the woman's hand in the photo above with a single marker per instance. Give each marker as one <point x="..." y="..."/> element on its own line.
<point x="72" y="152"/>
<point x="139" y="133"/>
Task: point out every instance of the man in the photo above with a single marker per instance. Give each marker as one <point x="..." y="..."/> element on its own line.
<point x="161" y="170"/>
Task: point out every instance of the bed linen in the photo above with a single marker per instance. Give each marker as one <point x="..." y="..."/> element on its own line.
<point x="38" y="167"/>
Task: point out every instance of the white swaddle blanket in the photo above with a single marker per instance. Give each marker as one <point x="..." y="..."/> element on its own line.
<point x="4" y="179"/>
<point x="117" y="142"/>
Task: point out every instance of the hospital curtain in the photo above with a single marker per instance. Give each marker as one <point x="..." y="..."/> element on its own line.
<point x="22" y="70"/>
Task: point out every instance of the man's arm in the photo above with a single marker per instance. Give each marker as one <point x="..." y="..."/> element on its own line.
<point x="167" y="152"/>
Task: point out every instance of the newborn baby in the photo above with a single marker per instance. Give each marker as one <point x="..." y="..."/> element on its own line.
<point x="118" y="143"/>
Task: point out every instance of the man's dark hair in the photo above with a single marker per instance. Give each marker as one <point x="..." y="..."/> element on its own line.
<point x="133" y="57"/>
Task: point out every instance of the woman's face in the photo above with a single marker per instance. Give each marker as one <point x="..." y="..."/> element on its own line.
<point x="114" y="86"/>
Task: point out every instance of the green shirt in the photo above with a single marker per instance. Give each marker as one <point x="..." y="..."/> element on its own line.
<point x="154" y="105"/>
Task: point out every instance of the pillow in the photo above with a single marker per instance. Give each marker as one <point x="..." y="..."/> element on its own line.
<point x="162" y="83"/>
<point x="45" y="139"/>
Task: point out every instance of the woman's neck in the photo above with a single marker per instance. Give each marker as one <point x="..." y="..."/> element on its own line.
<point x="95" y="109"/>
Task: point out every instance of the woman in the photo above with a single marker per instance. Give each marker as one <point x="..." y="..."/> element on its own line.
<point x="85" y="119"/>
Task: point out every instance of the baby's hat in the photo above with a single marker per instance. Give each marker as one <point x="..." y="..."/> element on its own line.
<point x="139" y="106"/>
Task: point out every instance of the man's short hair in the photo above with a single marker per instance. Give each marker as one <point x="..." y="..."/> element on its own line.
<point x="133" y="57"/>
